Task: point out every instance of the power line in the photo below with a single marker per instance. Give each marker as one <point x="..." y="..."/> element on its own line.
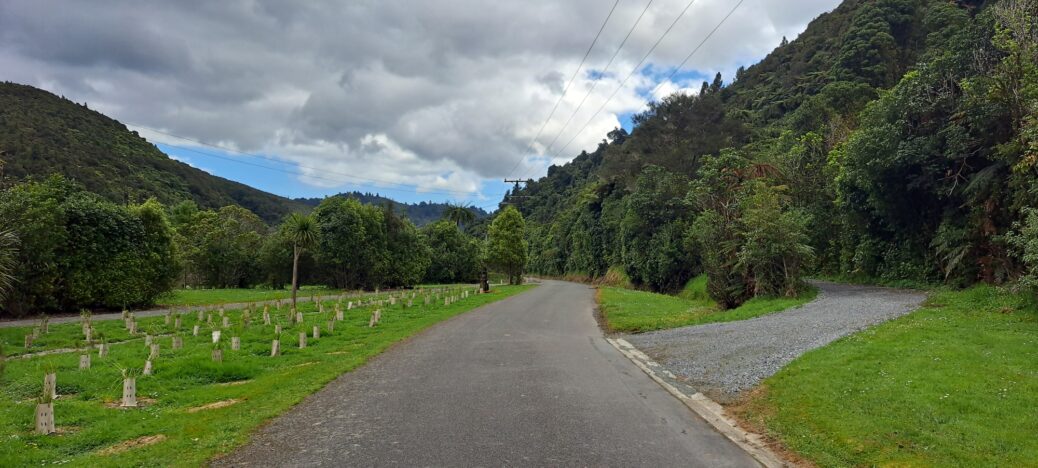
<point x="700" y="45"/>
<point x="414" y="189"/>
<point x="566" y="88"/>
<point x="599" y="77"/>
<point x="688" y="57"/>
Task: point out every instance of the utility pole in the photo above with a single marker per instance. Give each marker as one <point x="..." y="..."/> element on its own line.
<point x="516" y="182"/>
<point x="516" y="189"/>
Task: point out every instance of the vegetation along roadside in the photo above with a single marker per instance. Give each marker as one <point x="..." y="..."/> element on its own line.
<point x="193" y="406"/>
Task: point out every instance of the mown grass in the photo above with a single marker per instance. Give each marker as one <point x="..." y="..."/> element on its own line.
<point x="188" y="378"/>
<point x="196" y="297"/>
<point x="952" y="384"/>
<point x="628" y="310"/>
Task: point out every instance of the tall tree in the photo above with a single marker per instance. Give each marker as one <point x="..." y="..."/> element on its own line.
<point x="507" y="247"/>
<point x="302" y="231"/>
<point x="460" y="215"/>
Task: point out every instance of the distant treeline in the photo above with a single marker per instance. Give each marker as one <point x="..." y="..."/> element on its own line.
<point x="74" y="249"/>
<point x="420" y="213"/>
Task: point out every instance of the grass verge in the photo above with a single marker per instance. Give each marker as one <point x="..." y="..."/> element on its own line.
<point x="952" y="384"/>
<point x="628" y="310"/>
<point x="196" y="408"/>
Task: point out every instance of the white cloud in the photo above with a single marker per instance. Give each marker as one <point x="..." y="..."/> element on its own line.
<point x="439" y="94"/>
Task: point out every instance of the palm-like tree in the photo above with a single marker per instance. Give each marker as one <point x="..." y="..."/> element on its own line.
<point x="459" y="214"/>
<point x="8" y="252"/>
<point x="301" y="230"/>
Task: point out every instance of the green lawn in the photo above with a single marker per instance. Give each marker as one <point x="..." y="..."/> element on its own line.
<point x="952" y="384"/>
<point x="262" y="386"/>
<point x="194" y="297"/>
<point x="628" y="310"/>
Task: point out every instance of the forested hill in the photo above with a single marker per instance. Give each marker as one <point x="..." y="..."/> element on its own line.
<point x="43" y="134"/>
<point x="420" y="213"/>
<point x="893" y="139"/>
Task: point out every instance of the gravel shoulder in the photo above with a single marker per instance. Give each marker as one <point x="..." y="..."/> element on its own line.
<point x="724" y="359"/>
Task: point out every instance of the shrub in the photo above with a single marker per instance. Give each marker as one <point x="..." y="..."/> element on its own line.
<point x="78" y="250"/>
<point x="1024" y="239"/>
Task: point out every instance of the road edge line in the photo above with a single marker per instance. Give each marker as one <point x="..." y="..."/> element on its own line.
<point x="712" y="412"/>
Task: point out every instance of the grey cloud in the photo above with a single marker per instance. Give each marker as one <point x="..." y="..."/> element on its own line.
<point x="460" y="85"/>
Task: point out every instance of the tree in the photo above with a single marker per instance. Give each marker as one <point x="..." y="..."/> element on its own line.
<point x="775" y="250"/>
<point x="352" y="250"/>
<point x="302" y="231"/>
<point x="1024" y="240"/>
<point x="507" y="248"/>
<point x="8" y="254"/>
<point x="454" y="256"/>
<point x="408" y="255"/>
<point x="459" y="214"/>
<point x="219" y="247"/>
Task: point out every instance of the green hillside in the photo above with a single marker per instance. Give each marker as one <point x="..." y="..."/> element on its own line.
<point x="43" y="134"/>
<point x="893" y="140"/>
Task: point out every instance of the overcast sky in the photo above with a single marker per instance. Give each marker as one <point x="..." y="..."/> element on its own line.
<point x="441" y="96"/>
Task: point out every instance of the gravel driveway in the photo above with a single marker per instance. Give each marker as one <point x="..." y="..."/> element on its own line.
<point x="724" y="359"/>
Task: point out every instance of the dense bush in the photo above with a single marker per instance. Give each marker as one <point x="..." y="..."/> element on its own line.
<point x="454" y="256"/>
<point x="219" y="248"/>
<point x="78" y="250"/>
<point x="364" y="246"/>
<point x="1025" y="241"/>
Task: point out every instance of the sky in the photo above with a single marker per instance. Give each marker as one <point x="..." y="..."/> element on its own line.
<point x="414" y="99"/>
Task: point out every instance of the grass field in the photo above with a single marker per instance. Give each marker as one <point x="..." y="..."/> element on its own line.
<point x="254" y="386"/>
<point x="952" y="384"/>
<point x="628" y="310"/>
<point x="194" y="297"/>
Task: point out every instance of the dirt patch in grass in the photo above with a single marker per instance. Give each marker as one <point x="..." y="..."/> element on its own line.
<point x="141" y="402"/>
<point x="214" y="405"/>
<point x="131" y="444"/>
<point x="234" y="383"/>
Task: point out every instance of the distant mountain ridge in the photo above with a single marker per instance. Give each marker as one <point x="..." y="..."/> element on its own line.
<point x="420" y="214"/>
<point x="43" y="134"/>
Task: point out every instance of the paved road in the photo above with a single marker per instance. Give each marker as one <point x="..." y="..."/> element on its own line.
<point x="724" y="359"/>
<point x="528" y="381"/>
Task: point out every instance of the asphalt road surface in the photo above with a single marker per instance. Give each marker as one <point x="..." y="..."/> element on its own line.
<point x="528" y="381"/>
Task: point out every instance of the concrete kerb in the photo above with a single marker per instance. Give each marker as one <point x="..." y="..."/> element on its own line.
<point x="709" y="410"/>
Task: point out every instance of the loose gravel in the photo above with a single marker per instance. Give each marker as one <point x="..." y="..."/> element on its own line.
<point x="724" y="359"/>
